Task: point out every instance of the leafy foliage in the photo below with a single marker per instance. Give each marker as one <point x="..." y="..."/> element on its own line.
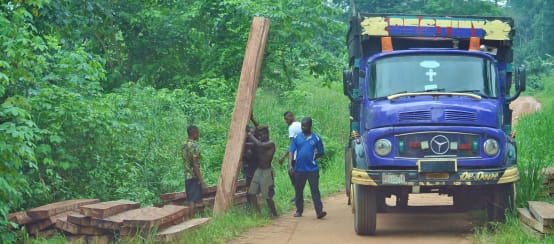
<point x="95" y="96"/>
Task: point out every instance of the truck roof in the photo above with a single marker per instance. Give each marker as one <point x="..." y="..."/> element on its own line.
<point x="486" y="28"/>
<point x="365" y="31"/>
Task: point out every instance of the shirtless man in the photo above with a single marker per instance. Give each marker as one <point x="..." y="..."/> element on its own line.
<point x="263" y="180"/>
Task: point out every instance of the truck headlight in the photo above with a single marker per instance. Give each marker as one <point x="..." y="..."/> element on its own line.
<point x="382" y="147"/>
<point x="491" y="147"/>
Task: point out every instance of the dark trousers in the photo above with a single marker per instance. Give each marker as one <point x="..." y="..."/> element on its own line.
<point x="300" y="179"/>
<point x="291" y="175"/>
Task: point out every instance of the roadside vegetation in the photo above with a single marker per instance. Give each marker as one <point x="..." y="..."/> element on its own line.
<point x="95" y="96"/>
<point x="535" y="140"/>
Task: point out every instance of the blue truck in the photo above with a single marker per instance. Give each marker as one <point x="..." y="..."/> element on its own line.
<point x="429" y="112"/>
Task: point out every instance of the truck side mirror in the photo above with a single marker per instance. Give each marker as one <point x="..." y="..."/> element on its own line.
<point x="520" y="83"/>
<point x="521" y="78"/>
<point x="347" y="82"/>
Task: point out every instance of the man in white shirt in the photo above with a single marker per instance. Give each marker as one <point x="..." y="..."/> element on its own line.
<point x="295" y="128"/>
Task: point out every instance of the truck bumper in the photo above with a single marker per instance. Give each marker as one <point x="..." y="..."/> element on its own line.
<point x="461" y="177"/>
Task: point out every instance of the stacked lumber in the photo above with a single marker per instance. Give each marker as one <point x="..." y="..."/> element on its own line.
<point x="538" y="219"/>
<point x="91" y="221"/>
<point x="208" y="196"/>
<point x="41" y="221"/>
<point x="549" y="180"/>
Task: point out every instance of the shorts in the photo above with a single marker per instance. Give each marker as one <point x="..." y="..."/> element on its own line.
<point x="263" y="182"/>
<point x="193" y="190"/>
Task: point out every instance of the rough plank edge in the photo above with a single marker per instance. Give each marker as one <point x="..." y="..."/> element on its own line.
<point x="20" y="218"/>
<point x="526" y="217"/>
<point x="93" y="210"/>
<point x="39" y="213"/>
<point x="165" y="236"/>
<point x="537" y="215"/>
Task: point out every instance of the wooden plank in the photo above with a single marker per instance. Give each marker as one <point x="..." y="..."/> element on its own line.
<point x="79" y="239"/>
<point x="238" y="198"/>
<point x="20" y="218"/>
<point x="116" y="221"/>
<point x="531" y="232"/>
<point x="549" y="172"/>
<point x="106" y="209"/>
<point x="100" y="239"/>
<point x="43" y="212"/>
<point x="152" y="217"/>
<point x="45" y="233"/>
<point x="542" y="211"/>
<point x="173" y="196"/>
<point x="46" y="223"/>
<point x="172" y="233"/>
<point x="90" y="239"/>
<point x="526" y="217"/>
<point x="79" y="219"/>
<point x="178" y="198"/>
<point x="244" y="101"/>
<point x="64" y="225"/>
<point x="36" y="227"/>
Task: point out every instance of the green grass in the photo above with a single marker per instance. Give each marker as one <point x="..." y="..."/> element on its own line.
<point x="535" y="141"/>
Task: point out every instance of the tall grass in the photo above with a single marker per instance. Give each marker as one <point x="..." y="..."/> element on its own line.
<point x="535" y="142"/>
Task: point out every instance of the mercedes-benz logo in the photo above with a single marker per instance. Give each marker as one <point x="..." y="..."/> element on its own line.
<point x="440" y="144"/>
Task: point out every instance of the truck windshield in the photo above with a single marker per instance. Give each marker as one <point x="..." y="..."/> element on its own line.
<point x="421" y="73"/>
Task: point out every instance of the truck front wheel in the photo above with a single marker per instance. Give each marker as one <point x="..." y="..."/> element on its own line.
<point x="502" y="199"/>
<point x="365" y="209"/>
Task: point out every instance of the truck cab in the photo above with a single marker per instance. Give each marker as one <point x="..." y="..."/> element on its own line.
<point x="429" y="112"/>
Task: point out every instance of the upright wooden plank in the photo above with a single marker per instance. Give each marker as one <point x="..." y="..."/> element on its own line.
<point x="172" y="233"/>
<point x="44" y="212"/>
<point x="244" y="101"/>
<point x="106" y="209"/>
<point x="526" y="217"/>
<point x="542" y="211"/>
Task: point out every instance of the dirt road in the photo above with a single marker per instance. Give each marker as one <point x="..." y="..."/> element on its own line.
<point x="425" y="226"/>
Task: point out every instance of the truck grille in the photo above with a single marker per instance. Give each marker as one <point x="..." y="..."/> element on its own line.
<point x="437" y="144"/>
<point x="415" y="115"/>
<point x="454" y="115"/>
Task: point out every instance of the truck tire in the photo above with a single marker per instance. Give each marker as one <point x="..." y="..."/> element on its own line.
<point x="348" y="171"/>
<point x="365" y="210"/>
<point x="502" y="199"/>
<point x="461" y="200"/>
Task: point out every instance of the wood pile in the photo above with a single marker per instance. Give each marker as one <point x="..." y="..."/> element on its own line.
<point x="208" y="196"/>
<point x="549" y="180"/>
<point x="538" y="219"/>
<point x="91" y="221"/>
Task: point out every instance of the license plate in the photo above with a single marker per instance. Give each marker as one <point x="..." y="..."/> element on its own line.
<point x="394" y="179"/>
<point x="437" y="165"/>
<point x="437" y="176"/>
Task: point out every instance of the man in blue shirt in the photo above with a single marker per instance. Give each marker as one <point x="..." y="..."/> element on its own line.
<point x="308" y="147"/>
